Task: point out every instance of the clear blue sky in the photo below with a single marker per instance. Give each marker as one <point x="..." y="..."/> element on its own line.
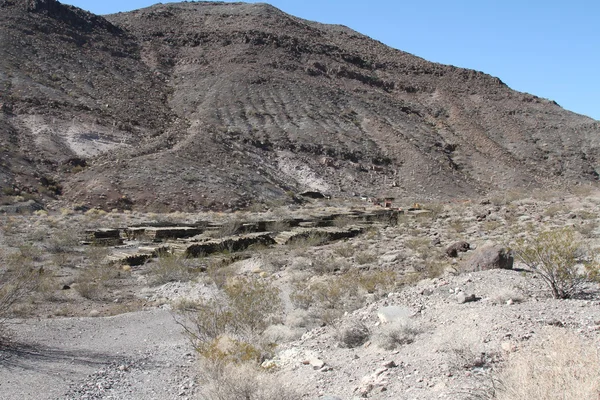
<point x="549" y="48"/>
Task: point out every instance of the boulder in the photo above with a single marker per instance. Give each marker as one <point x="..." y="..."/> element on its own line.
<point x="490" y="257"/>
<point x="454" y="249"/>
<point x="391" y="314"/>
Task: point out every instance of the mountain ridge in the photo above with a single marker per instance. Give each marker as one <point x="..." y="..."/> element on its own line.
<point x="223" y="105"/>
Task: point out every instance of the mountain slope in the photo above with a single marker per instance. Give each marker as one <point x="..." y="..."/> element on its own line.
<point x="218" y="105"/>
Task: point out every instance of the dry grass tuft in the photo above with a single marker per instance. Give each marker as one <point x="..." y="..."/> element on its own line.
<point x="561" y="367"/>
<point x="395" y="334"/>
<point x="236" y="382"/>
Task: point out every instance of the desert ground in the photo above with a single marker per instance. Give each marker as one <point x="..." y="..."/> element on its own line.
<point x="333" y="299"/>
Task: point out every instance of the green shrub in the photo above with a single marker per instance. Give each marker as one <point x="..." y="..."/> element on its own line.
<point x="227" y="328"/>
<point x="560" y="260"/>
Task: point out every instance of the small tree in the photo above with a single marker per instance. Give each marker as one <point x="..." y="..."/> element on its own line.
<point x="560" y="260"/>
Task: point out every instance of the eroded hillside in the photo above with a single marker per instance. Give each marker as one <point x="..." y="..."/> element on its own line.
<point x="217" y="105"/>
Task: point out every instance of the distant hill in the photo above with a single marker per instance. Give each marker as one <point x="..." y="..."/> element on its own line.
<point x="222" y="105"/>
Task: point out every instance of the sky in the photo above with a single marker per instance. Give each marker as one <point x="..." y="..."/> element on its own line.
<point x="548" y="48"/>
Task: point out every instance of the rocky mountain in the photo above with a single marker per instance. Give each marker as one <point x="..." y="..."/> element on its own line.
<point x="204" y="105"/>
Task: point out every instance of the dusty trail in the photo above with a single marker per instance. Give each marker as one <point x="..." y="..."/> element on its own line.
<point x="140" y="355"/>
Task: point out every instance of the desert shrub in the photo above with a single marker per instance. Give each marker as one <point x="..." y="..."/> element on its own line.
<point x="436" y="209"/>
<point x="505" y="295"/>
<point x="491" y="226"/>
<point x="353" y="335"/>
<point x="587" y="229"/>
<point x="563" y="366"/>
<point x="554" y="210"/>
<point x="418" y="245"/>
<point x="311" y="239"/>
<point x="278" y="226"/>
<point x="345" y="250"/>
<point x="326" y="264"/>
<point x="467" y="354"/>
<point x="256" y="304"/>
<point x="92" y="281"/>
<point x="457" y="225"/>
<point x="18" y="281"/>
<point x="247" y="382"/>
<point x="365" y="257"/>
<point x="342" y="221"/>
<point x="555" y="257"/>
<point x="331" y="296"/>
<point x="169" y="268"/>
<point x="26" y="253"/>
<point x="229" y="228"/>
<point x="395" y="334"/>
<point x="246" y="307"/>
<point x="63" y="241"/>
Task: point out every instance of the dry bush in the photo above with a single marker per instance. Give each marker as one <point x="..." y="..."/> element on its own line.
<point x="341" y="221"/>
<point x="92" y="281"/>
<point x="556" y="257"/>
<point x="312" y="239"/>
<point x="465" y="356"/>
<point x="561" y="367"/>
<point x="395" y="334"/>
<point x="587" y="229"/>
<point x="63" y="241"/>
<point x="341" y="293"/>
<point x="329" y="297"/>
<point x="491" y="226"/>
<point x="238" y="317"/>
<point x="169" y="268"/>
<point x="345" y="250"/>
<point x="243" y="382"/>
<point x="506" y="295"/>
<point x="554" y="210"/>
<point x="457" y="225"/>
<point x="419" y="245"/>
<point x="229" y="228"/>
<point x="353" y="334"/>
<point x="327" y="264"/>
<point x="18" y="281"/>
<point x="220" y="270"/>
<point x="436" y="209"/>
<point x="278" y="226"/>
<point x="365" y="257"/>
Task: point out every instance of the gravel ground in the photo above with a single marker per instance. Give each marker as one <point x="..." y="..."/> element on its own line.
<point x="140" y="355"/>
